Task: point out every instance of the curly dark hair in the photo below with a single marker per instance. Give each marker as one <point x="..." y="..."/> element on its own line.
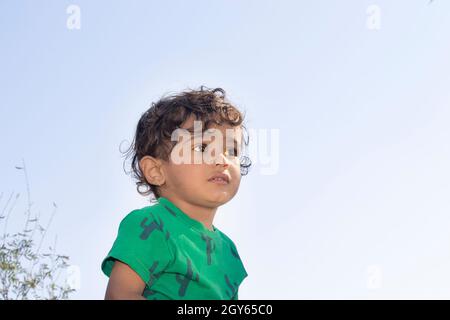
<point x="155" y="127"/>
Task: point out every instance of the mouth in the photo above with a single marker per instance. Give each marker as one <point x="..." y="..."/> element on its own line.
<point x="220" y="179"/>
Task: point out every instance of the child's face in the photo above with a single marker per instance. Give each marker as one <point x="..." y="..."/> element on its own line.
<point x="190" y="181"/>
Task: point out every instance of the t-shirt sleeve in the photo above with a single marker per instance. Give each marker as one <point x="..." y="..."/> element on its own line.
<point x="141" y="243"/>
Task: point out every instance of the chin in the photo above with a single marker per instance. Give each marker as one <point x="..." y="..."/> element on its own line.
<point x="220" y="198"/>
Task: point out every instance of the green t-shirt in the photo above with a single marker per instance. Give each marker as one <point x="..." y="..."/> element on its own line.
<point x="177" y="256"/>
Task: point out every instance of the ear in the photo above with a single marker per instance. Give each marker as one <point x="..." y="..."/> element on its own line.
<point x="151" y="168"/>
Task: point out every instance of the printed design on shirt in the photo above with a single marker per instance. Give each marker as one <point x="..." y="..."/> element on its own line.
<point x="233" y="287"/>
<point x="234" y="253"/>
<point x="153" y="277"/>
<point x="148" y="293"/>
<point x="184" y="280"/>
<point x="210" y="246"/>
<point x="149" y="228"/>
<point x="170" y="210"/>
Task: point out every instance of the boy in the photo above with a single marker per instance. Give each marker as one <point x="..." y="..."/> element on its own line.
<point x="172" y="250"/>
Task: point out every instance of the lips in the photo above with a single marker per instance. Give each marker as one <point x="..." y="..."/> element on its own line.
<point x="220" y="177"/>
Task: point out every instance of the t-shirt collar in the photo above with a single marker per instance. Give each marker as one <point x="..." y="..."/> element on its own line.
<point x="170" y="206"/>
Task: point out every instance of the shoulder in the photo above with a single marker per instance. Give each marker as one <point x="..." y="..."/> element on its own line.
<point x="143" y="232"/>
<point x="145" y="222"/>
<point x="224" y="237"/>
<point x="239" y="272"/>
<point x="141" y="243"/>
<point x="132" y="217"/>
<point x="227" y="240"/>
<point x="137" y="216"/>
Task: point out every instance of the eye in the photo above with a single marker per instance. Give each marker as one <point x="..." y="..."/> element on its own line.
<point x="199" y="147"/>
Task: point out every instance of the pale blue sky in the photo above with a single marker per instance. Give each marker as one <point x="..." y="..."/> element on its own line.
<point x="363" y="117"/>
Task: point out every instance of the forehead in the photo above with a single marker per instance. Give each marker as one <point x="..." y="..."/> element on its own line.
<point x="228" y="131"/>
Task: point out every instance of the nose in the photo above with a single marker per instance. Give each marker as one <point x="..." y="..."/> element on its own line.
<point x="222" y="160"/>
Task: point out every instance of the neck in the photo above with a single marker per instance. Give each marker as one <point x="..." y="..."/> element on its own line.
<point x="203" y="214"/>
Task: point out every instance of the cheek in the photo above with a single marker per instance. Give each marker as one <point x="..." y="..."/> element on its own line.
<point x="175" y="174"/>
<point x="186" y="174"/>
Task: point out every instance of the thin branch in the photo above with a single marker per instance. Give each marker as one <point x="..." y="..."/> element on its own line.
<point x="7" y="203"/>
<point x="9" y="213"/>
<point x="45" y="231"/>
<point x="28" y="193"/>
<point x="35" y="220"/>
